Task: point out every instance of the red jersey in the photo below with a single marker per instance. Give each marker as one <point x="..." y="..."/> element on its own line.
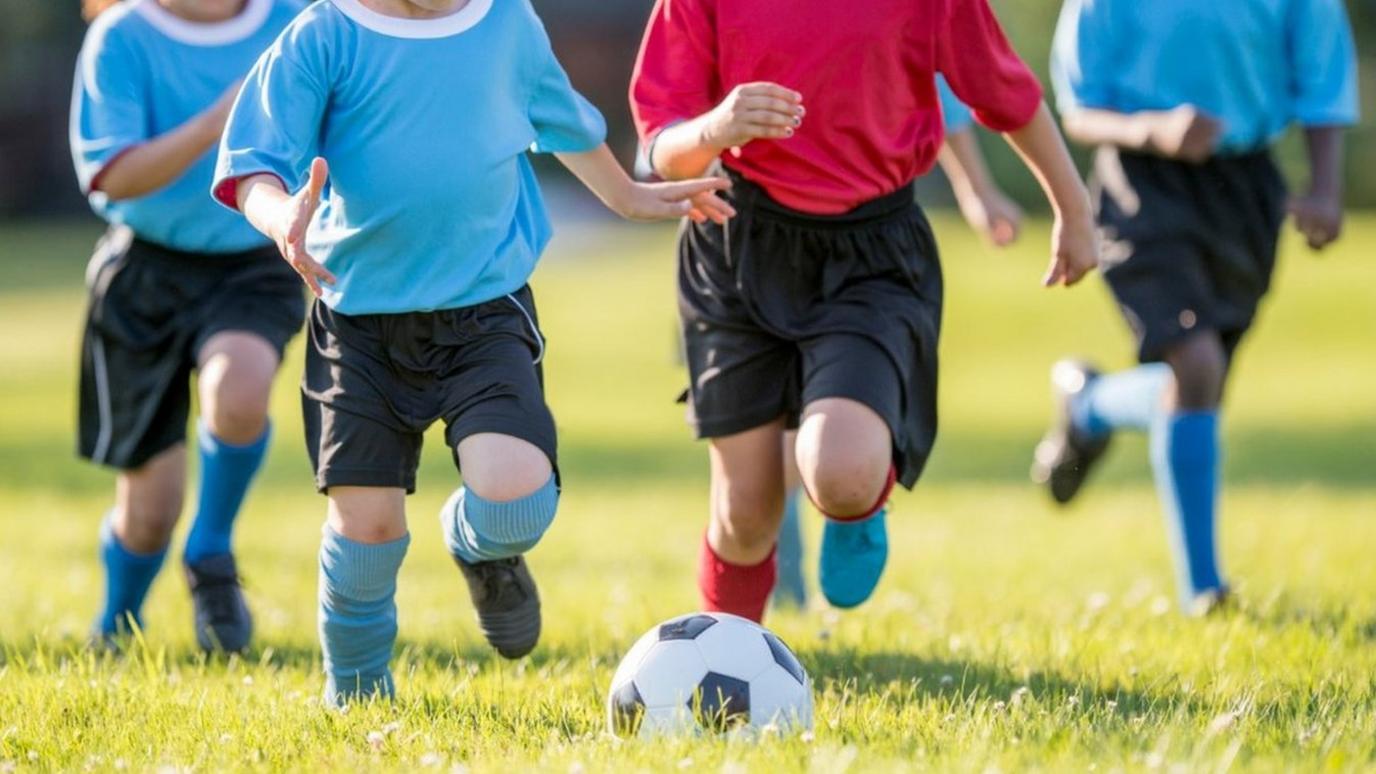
<point x="866" y="71"/>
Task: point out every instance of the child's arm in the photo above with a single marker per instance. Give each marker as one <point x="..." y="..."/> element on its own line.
<point x="151" y="165"/>
<point x="1074" y="240"/>
<point x="752" y="111"/>
<point x="983" y="204"/>
<point x="696" y="198"/>
<point x="284" y="218"/>
<point x="1319" y="213"/>
<point x="1184" y="133"/>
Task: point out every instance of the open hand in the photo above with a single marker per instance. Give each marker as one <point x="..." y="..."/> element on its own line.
<point x="753" y="111"/>
<point x="1319" y="217"/>
<point x="992" y="214"/>
<point x="696" y="199"/>
<point x="1185" y="133"/>
<point x="289" y="231"/>
<point x="1074" y="250"/>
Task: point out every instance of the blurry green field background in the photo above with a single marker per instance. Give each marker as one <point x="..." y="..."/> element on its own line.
<point x="1006" y="633"/>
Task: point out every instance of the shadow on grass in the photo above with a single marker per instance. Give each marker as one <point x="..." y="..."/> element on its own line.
<point x="973" y="683"/>
<point x="1277" y="455"/>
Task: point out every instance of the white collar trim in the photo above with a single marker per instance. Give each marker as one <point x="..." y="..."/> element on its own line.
<point x="249" y="21"/>
<point x="441" y="27"/>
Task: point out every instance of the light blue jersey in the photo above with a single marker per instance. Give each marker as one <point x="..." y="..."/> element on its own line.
<point x="955" y="116"/>
<point x="144" y="72"/>
<point x="1258" y="65"/>
<point x="431" y="202"/>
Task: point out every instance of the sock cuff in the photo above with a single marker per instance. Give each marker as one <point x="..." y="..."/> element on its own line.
<point x="211" y="443"/>
<point x="710" y="552"/>
<point x="514" y="521"/>
<point x="741" y="590"/>
<point x="111" y="543"/>
<point x="361" y="571"/>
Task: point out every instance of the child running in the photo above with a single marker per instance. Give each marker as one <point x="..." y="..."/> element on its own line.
<point x="418" y="236"/>
<point x="818" y="306"/>
<point x="176" y="286"/>
<point x="1191" y="205"/>
<point x="987" y="210"/>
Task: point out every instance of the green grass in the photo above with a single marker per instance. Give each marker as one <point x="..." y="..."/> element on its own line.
<point x="1006" y="634"/>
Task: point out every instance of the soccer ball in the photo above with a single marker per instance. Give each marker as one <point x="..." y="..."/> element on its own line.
<point x="708" y="672"/>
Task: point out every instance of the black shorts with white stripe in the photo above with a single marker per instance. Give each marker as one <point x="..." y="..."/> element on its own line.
<point x="150" y="310"/>
<point x="375" y="382"/>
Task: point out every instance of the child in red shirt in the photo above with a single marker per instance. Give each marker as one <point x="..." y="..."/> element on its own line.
<point x="828" y="275"/>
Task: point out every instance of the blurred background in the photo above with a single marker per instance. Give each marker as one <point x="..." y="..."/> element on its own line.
<point x="596" y="40"/>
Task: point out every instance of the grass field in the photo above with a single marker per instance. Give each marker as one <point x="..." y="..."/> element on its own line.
<point x="1006" y="634"/>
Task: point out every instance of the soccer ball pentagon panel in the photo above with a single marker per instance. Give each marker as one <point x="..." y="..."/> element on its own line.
<point x="708" y="672"/>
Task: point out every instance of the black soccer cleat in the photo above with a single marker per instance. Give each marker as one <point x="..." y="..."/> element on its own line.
<point x="222" y="619"/>
<point x="1066" y="454"/>
<point x="507" y="603"/>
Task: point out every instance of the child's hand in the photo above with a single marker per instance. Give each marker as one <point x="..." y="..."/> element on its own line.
<point x="1185" y="133"/>
<point x="753" y="111"/>
<point x="1074" y="249"/>
<point x="992" y="214"/>
<point x="288" y="229"/>
<point x="1319" y="217"/>
<point x="696" y="199"/>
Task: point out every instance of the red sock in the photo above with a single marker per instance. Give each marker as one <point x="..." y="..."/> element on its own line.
<point x="880" y="503"/>
<point x="733" y="588"/>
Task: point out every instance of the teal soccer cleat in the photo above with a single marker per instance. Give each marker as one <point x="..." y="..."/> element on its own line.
<point x="853" y="558"/>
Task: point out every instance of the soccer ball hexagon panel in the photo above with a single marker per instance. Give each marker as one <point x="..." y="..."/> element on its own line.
<point x="708" y="673"/>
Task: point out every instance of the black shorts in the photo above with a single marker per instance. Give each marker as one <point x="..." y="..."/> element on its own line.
<point x="150" y="310"/>
<point x="375" y="382"/>
<point x="781" y="308"/>
<point x="1188" y="247"/>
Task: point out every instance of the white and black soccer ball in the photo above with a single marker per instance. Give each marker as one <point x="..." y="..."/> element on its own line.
<point x="708" y="672"/>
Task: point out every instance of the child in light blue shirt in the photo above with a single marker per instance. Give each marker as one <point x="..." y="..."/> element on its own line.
<point x="403" y="127"/>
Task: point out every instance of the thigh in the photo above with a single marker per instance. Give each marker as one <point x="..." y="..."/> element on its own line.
<point x="134" y="396"/>
<point x="1164" y="290"/>
<point x="494" y="387"/>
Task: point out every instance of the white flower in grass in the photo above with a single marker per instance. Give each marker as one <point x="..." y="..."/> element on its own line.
<point x="248" y="680"/>
<point x="947" y="681"/>
<point x="431" y="760"/>
<point x="376" y="739"/>
<point x="1019" y="696"/>
<point x="1223" y="722"/>
<point x="392" y="728"/>
<point x="1098" y="601"/>
<point x="33" y="756"/>
<point x="685" y="763"/>
<point x="1160" y="606"/>
<point x="807" y="737"/>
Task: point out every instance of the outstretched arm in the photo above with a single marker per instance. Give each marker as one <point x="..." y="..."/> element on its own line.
<point x="1184" y="133"/>
<point x="1075" y="249"/>
<point x="983" y="204"/>
<point x="695" y="198"/>
<point x="151" y="165"/>
<point x="284" y="217"/>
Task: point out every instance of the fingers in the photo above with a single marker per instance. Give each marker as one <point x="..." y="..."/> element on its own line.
<point x="686" y="189"/>
<point x="1003" y="232"/>
<point x="320" y="172"/>
<point x="767" y="89"/>
<point x="712" y="207"/>
<point x="312" y="273"/>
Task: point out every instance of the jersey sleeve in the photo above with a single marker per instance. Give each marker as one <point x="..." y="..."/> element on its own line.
<point x="109" y="104"/>
<point x="675" y="76"/>
<point x="564" y="121"/>
<point x="274" y="127"/>
<point x="954" y="115"/>
<point x="1323" y="64"/>
<point x="1082" y="65"/>
<point x="982" y="68"/>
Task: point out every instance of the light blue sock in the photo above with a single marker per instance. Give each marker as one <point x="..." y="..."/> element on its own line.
<point x="479" y="530"/>
<point x="128" y="577"/>
<point x="1184" y="456"/>
<point x="1126" y="400"/>
<point x="226" y="472"/>
<point x="790" y="588"/>
<point x="358" y="615"/>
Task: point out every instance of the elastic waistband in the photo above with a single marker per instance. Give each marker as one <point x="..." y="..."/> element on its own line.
<point x="754" y="196"/>
<point x="1229" y="158"/>
<point x="145" y="249"/>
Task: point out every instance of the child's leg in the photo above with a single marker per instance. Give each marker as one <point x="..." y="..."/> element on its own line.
<point x="508" y="500"/>
<point x="1125" y="400"/>
<point x="1185" y="459"/>
<point x="845" y="457"/>
<point x="736" y="569"/>
<point x="790" y="589"/>
<point x="361" y="550"/>
<point x="135" y="534"/>
<point x="236" y="372"/>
